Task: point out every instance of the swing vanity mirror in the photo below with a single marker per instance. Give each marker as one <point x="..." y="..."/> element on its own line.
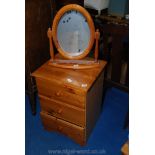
<point x="73" y="34"/>
<point x="72" y="37"/>
<point x="70" y="98"/>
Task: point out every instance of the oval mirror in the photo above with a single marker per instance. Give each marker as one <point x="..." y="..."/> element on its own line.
<point x="73" y="32"/>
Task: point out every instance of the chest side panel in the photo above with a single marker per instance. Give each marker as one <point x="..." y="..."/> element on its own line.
<point x="93" y="104"/>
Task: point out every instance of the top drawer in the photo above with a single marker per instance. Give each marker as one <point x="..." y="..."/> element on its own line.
<point x="61" y="93"/>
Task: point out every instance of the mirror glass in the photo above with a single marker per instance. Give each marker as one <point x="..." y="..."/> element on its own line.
<point x="73" y="33"/>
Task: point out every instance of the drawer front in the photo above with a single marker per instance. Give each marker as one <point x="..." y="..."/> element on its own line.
<point x="54" y="124"/>
<point x="64" y="111"/>
<point x="60" y="93"/>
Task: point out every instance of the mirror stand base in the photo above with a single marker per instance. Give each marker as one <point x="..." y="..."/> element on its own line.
<point x="74" y="64"/>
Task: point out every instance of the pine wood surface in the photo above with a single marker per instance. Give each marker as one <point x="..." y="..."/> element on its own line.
<point x="90" y="22"/>
<point x="59" y="92"/>
<point x="93" y="104"/>
<point x="125" y="148"/>
<point x="62" y="110"/>
<point x="54" y="124"/>
<point x="70" y="99"/>
<point x="78" y="80"/>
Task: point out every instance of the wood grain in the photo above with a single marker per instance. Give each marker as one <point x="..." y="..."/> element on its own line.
<point x="79" y="80"/>
<point x="125" y="148"/>
<point x="97" y="37"/>
<point x="54" y="124"/>
<point x="62" y="110"/>
<point x="70" y="99"/>
<point x="57" y="92"/>
<point x="93" y="104"/>
<point x="49" y="35"/>
<point x="90" y="22"/>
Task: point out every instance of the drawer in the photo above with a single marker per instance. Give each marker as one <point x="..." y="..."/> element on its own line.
<point x="60" y="93"/>
<point x="54" y="124"/>
<point x="62" y="110"/>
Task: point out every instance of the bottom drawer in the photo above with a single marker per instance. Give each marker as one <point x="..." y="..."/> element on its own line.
<point x="54" y="124"/>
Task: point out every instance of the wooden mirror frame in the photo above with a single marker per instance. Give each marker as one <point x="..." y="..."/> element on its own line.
<point x="74" y="62"/>
<point x="90" y="22"/>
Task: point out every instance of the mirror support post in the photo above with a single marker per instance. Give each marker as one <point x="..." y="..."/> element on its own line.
<point x="49" y="35"/>
<point x="97" y="37"/>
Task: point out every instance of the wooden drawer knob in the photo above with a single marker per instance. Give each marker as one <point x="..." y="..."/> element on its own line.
<point x="69" y="89"/>
<point x="50" y="111"/>
<point x="60" y="111"/>
<point x="59" y="128"/>
<point x="59" y="93"/>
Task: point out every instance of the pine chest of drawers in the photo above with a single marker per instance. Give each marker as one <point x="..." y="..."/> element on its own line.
<point x="70" y="100"/>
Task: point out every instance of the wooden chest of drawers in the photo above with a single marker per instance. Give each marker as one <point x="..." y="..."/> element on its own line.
<point x="70" y="99"/>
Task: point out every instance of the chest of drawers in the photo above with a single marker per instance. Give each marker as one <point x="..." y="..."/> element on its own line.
<point x="70" y="100"/>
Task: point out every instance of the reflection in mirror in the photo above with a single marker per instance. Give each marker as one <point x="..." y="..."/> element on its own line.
<point x="73" y="33"/>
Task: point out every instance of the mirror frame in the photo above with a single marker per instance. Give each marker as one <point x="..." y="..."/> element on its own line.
<point x="90" y="22"/>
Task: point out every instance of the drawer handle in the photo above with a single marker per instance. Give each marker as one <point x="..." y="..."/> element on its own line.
<point x="50" y="111"/>
<point x="59" y="93"/>
<point x="60" y="111"/>
<point x="65" y="86"/>
<point x="69" y="89"/>
<point x="53" y="111"/>
<point x="59" y="128"/>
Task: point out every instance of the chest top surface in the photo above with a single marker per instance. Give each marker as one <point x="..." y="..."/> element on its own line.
<point x="77" y="79"/>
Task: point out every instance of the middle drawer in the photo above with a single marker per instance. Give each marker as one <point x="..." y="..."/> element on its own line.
<point x="62" y="110"/>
